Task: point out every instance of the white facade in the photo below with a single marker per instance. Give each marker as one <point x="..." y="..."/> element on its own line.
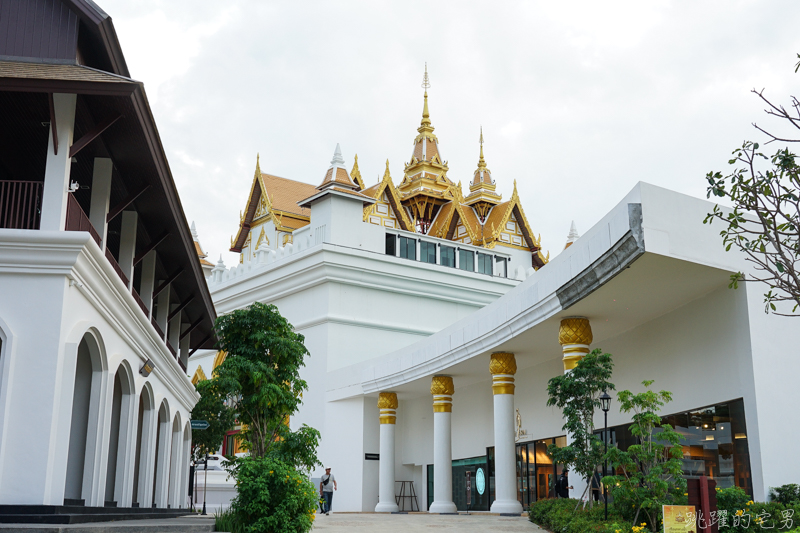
<point x="650" y="278"/>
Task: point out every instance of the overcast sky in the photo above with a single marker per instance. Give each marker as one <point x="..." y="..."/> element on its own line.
<point x="578" y="100"/>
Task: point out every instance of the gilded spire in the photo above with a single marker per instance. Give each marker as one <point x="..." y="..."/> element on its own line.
<point x="481" y="161"/>
<point x="258" y="165"/>
<point x="425" y="125"/>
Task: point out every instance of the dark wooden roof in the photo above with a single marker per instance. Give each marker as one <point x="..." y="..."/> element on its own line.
<point x="104" y="88"/>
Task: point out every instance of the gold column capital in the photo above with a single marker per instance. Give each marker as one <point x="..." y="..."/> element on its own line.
<point x="503" y="366"/>
<point x="387" y="403"/>
<point x="442" y="385"/>
<point x="442" y="388"/>
<point x="575" y="336"/>
<point x="503" y="363"/>
<point x="387" y="400"/>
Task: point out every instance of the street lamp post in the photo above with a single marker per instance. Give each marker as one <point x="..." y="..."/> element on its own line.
<point x="205" y="484"/>
<point x="605" y="402"/>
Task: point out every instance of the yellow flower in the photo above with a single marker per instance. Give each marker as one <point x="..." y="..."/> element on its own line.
<point x="751" y="502"/>
<point x="740" y="512"/>
<point x="685" y="493"/>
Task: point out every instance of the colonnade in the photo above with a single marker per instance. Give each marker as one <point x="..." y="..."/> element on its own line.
<point x="575" y="336"/>
<point x="123" y="446"/>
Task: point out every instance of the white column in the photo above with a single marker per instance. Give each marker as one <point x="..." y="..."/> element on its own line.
<point x="503" y="366"/>
<point x="187" y="457"/>
<point x="127" y="244"/>
<point x="175" y="465"/>
<point x="173" y="332"/>
<point x="387" y="403"/>
<point x="57" y="166"/>
<point x="148" y="454"/>
<point x="457" y="253"/>
<point x="184" y="350"/>
<point x="575" y="336"/>
<point x="148" y="283"/>
<point x="163" y="311"/>
<point x="101" y="195"/>
<point x="162" y="470"/>
<point x="442" y="390"/>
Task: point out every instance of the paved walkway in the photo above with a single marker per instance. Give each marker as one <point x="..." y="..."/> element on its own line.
<point x="388" y="523"/>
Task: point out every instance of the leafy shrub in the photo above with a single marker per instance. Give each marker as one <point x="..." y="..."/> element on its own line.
<point x="226" y="520"/>
<point x="785" y="494"/>
<point x="746" y="516"/>
<point x="559" y="515"/>
<point x="273" y="496"/>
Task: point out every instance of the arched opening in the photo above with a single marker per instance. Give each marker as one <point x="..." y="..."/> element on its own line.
<point x="117" y="477"/>
<point x="144" y="455"/>
<point x="85" y="403"/>
<point x="163" y="441"/>
<point x="176" y="466"/>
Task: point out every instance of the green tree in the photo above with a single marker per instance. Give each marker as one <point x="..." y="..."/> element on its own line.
<point x="211" y="408"/>
<point x="764" y="191"/>
<point x="260" y="379"/>
<point x="651" y="471"/>
<point x="260" y="382"/>
<point x="577" y="394"/>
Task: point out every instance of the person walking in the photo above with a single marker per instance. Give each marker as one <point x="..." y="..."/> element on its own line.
<point x="326" y="487"/>
<point x="563" y="486"/>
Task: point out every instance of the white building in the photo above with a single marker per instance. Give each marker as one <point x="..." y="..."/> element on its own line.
<point x="406" y="350"/>
<point x="102" y="298"/>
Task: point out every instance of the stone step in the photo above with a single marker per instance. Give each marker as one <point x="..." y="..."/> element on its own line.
<point x="190" y="524"/>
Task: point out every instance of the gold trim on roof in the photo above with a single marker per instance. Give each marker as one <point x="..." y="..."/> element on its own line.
<point x="199" y="376"/>
<point x="355" y="174"/>
<point x="386" y="185"/>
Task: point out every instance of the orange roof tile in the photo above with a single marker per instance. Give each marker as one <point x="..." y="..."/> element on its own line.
<point x="496" y="216"/>
<point x="341" y="177"/>
<point x="285" y="193"/>
<point x="441" y="223"/>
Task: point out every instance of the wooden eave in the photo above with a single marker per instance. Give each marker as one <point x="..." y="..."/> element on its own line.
<point x="143" y="151"/>
<point x="245" y="225"/>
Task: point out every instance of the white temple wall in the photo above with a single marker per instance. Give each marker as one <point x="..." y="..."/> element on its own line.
<point x="40" y="373"/>
<point x="773" y="340"/>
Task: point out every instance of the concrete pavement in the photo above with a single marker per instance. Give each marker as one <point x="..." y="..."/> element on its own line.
<point x="419" y="522"/>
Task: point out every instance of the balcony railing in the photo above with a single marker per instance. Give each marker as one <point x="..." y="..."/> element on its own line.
<point x="157" y="327"/>
<point x="116" y="267"/>
<point x="77" y="219"/>
<point x="140" y="302"/>
<point x="20" y="204"/>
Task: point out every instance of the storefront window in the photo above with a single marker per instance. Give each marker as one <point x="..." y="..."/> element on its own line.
<point x="714" y="443"/>
<point x="479" y="493"/>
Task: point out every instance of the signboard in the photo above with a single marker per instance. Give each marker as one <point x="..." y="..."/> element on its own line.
<point x="372" y="457"/>
<point x="200" y="424"/>
<point x="469" y="488"/>
<point x="679" y="519"/>
<point x="480" y="481"/>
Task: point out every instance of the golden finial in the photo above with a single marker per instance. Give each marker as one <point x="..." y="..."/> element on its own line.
<point x="481" y="162"/>
<point x="258" y="166"/>
<point x="426" y="119"/>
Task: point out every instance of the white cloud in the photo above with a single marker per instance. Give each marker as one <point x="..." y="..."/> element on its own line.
<point x="578" y="100"/>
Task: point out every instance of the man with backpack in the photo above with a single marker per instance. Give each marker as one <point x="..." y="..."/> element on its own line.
<point x="327" y="485"/>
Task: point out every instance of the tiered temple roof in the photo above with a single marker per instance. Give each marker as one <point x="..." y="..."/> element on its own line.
<point x="425" y="201"/>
